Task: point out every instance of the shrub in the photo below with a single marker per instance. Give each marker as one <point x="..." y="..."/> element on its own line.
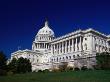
<point x="96" y="67"/>
<point x="3" y="72"/>
<point x="103" y="60"/>
<point x="40" y="71"/>
<point x="69" y="69"/>
<point x="84" y="68"/>
<point x="46" y="70"/>
<point x="55" y="70"/>
<point x="76" y="69"/>
<point x="10" y="73"/>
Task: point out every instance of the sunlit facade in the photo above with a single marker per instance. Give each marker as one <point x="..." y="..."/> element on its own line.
<point x="77" y="48"/>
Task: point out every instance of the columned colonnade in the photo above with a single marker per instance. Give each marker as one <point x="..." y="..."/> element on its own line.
<point x="67" y="45"/>
<point x="42" y="45"/>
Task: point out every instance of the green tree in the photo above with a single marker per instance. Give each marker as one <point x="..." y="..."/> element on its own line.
<point x="103" y="60"/>
<point x="3" y="66"/>
<point x="12" y="66"/>
<point x="20" y="65"/>
<point x="23" y="65"/>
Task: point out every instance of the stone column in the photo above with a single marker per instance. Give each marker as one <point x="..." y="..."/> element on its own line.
<point x="107" y="46"/>
<point x="93" y="43"/>
<point x="90" y="44"/>
<point x="72" y="46"/>
<point x="38" y="45"/>
<point x="62" y="47"/>
<point x="41" y="45"/>
<point x="47" y="46"/>
<point x="69" y="45"/>
<point x="80" y="44"/>
<point x="44" y="45"/>
<point x="52" y="49"/>
<point x="55" y="48"/>
<point x="59" y="48"/>
<point x="35" y="45"/>
<point x="76" y="45"/>
<point x="66" y="46"/>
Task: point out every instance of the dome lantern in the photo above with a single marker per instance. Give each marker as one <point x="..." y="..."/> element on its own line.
<point x="46" y="24"/>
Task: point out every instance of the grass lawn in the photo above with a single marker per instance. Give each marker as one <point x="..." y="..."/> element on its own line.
<point x="73" y="76"/>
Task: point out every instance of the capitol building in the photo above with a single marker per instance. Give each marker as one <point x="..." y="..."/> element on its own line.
<point x="77" y="48"/>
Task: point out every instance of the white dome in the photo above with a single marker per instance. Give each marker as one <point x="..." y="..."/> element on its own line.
<point x="46" y="30"/>
<point x="45" y="34"/>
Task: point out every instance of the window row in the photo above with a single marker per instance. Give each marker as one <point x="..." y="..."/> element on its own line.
<point x="64" y="58"/>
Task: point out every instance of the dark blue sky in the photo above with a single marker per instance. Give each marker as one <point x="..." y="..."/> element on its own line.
<point x="21" y="19"/>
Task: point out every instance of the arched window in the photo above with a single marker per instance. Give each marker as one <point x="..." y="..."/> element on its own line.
<point x="66" y="57"/>
<point x="60" y="58"/>
<point x="78" y="55"/>
<point x="85" y="38"/>
<point x="40" y="38"/>
<point x="73" y="56"/>
<point x="69" y="57"/>
<point x="37" y="60"/>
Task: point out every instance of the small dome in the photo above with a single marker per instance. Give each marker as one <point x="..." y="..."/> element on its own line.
<point x="46" y="30"/>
